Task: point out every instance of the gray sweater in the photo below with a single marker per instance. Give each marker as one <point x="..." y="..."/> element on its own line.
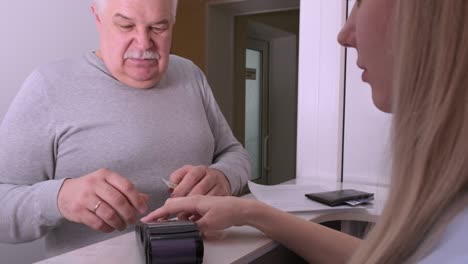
<point x="72" y="117"/>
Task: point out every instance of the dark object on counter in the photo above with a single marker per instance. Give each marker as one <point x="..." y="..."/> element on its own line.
<point x="170" y="242"/>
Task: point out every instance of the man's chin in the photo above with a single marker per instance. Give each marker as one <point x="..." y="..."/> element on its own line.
<point x="141" y="82"/>
<point x="141" y="77"/>
<point x="145" y="84"/>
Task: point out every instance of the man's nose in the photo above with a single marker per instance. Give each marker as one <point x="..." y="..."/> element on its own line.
<point x="143" y="39"/>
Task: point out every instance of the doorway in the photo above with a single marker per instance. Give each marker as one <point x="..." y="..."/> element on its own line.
<point x="265" y="101"/>
<point x="253" y="72"/>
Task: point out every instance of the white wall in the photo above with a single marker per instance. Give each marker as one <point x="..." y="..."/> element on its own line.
<point x="320" y="107"/>
<point x="367" y="132"/>
<point x="319" y="92"/>
<point x="34" y="33"/>
<point x="37" y="32"/>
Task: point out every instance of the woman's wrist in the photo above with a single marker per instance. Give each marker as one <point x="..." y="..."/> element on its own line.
<point x="253" y="212"/>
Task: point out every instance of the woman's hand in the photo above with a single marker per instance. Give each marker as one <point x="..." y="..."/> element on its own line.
<point x="209" y="212"/>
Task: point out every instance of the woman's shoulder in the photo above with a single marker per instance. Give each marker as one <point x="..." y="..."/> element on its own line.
<point x="452" y="247"/>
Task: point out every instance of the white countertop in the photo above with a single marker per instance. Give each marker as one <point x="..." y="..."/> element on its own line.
<point x="233" y="245"/>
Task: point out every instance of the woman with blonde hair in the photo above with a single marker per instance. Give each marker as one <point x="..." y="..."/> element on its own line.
<point x="414" y="54"/>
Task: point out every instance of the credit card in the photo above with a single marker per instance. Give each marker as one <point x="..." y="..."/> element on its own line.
<point x="359" y="201"/>
<point x="169" y="184"/>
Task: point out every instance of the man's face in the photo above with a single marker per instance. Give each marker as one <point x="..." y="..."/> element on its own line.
<point x="135" y="39"/>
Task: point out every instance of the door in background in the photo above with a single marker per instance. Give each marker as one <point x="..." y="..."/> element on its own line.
<point x="265" y="100"/>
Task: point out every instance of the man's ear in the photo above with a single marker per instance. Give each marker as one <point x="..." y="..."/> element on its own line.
<point x="95" y="13"/>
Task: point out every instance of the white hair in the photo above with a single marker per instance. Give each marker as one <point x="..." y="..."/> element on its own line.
<point x="100" y="5"/>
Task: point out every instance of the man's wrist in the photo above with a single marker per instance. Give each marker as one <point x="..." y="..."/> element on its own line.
<point x="222" y="176"/>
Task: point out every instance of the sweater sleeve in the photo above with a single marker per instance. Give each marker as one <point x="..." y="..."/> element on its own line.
<point x="28" y="190"/>
<point x="230" y="156"/>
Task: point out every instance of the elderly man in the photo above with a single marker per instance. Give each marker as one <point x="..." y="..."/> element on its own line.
<point x="86" y="142"/>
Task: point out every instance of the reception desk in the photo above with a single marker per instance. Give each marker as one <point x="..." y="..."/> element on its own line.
<point x="233" y="245"/>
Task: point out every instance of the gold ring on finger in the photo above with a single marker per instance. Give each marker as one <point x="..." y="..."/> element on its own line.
<point x="97" y="206"/>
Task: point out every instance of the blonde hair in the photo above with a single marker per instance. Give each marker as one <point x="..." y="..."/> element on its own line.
<point x="101" y="3"/>
<point x="430" y="131"/>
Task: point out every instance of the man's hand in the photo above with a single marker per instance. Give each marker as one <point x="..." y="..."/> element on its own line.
<point x="193" y="180"/>
<point x="102" y="200"/>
